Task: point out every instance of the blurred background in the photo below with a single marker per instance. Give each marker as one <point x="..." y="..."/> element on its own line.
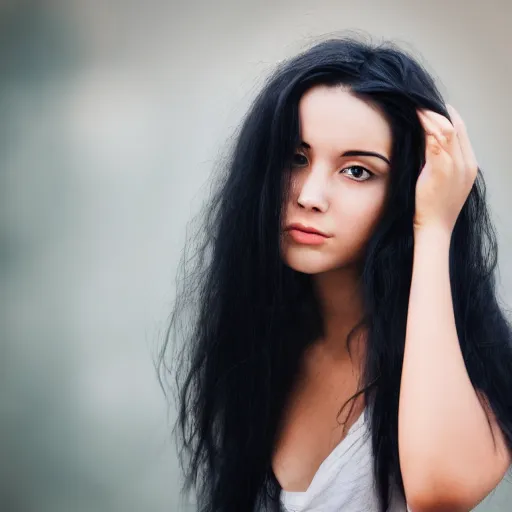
<point x="112" y="115"/>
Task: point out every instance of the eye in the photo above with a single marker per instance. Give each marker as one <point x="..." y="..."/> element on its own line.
<point x="357" y="173"/>
<point x="299" y="160"/>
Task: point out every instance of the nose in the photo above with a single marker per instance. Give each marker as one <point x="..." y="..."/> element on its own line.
<point x="313" y="193"/>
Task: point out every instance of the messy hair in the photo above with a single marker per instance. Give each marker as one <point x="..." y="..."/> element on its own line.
<point x="242" y="319"/>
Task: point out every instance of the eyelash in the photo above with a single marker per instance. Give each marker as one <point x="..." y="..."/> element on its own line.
<point x="371" y="174"/>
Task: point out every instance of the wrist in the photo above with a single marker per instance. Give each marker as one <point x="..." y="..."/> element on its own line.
<point x="433" y="234"/>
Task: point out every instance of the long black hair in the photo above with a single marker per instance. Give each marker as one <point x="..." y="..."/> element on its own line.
<point x="245" y="319"/>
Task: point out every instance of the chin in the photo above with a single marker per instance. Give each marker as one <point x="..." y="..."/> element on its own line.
<point x="310" y="264"/>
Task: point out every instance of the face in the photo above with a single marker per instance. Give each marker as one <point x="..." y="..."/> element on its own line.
<point x="332" y="189"/>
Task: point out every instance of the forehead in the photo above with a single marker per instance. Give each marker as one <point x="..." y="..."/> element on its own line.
<point x="332" y="117"/>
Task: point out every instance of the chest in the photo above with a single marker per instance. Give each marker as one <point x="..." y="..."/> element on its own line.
<point x="311" y="427"/>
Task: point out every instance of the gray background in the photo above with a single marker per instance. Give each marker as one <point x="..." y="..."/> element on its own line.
<point x="112" y="116"/>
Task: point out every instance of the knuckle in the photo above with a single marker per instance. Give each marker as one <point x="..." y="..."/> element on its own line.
<point x="448" y="130"/>
<point x="435" y="148"/>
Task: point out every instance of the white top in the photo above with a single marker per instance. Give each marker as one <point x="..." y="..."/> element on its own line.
<point x="344" y="481"/>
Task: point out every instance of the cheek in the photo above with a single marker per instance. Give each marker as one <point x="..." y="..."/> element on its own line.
<point x="358" y="216"/>
<point x="352" y="220"/>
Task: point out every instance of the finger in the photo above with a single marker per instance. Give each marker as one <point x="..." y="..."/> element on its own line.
<point x="441" y="123"/>
<point x="440" y="160"/>
<point x="430" y="126"/>
<point x="432" y="144"/>
<point x="433" y="135"/>
<point x="452" y="140"/>
<point x="447" y="137"/>
<point x="468" y="154"/>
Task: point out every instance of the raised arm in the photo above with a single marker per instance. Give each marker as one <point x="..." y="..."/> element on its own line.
<point x="452" y="452"/>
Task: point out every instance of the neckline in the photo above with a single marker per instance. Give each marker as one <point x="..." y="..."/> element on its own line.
<point x="341" y="446"/>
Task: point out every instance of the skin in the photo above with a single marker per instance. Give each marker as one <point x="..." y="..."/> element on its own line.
<point x="447" y="453"/>
<point x="338" y="196"/>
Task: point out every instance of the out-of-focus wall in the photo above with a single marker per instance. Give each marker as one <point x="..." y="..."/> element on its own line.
<point x="112" y="115"/>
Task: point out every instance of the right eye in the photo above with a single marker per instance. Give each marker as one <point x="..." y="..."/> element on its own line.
<point x="299" y="160"/>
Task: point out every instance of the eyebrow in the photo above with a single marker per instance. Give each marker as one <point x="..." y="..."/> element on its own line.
<point x="355" y="152"/>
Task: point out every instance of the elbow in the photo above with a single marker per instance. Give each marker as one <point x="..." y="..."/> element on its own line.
<point x="434" y="503"/>
<point x="436" y="494"/>
<point x="437" y="487"/>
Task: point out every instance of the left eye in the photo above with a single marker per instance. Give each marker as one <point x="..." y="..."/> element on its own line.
<point x="357" y="173"/>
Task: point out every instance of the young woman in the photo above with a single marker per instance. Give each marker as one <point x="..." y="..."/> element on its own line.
<point x="346" y="349"/>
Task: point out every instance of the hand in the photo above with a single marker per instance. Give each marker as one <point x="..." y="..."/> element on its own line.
<point x="449" y="172"/>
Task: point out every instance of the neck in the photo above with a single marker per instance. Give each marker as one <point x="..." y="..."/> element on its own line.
<point x="341" y="301"/>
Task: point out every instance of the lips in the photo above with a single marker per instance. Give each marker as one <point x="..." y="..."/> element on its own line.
<point x="307" y="229"/>
<point x="306" y="235"/>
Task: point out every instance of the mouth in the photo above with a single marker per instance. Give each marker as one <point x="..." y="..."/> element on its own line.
<point x="307" y="235"/>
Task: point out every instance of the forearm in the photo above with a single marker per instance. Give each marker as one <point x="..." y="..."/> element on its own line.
<point x="443" y="429"/>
